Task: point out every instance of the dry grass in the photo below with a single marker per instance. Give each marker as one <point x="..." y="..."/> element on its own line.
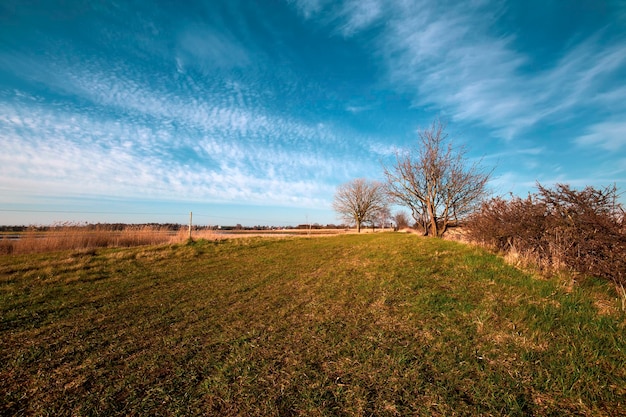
<point x="71" y="237"/>
<point x="76" y="238"/>
<point x="232" y="234"/>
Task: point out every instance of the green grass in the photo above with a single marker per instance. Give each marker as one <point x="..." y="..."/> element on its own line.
<point x="378" y="324"/>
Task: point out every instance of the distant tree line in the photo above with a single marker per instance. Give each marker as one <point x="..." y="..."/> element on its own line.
<point x="161" y="226"/>
<point x="94" y="226"/>
<point x="261" y="228"/>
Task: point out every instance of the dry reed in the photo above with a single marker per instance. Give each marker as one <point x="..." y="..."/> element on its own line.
<point x="69" y="237"/>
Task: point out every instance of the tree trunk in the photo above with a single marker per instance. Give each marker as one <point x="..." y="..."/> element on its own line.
<point x="433" y="232"/>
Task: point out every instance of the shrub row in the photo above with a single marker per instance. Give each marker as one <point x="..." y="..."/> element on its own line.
<point x="561" y="228"/>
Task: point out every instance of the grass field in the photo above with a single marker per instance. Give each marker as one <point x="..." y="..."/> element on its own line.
<point x="376" y="324"/>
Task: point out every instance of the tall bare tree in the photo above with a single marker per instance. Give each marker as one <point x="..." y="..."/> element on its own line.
<point x="359" y="200"/>
<point x="435" y="181"/>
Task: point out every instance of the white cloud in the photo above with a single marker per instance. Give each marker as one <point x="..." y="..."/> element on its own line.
<point x="309" y="8"/>
<point x="510" y="182"/>
<point x="446" y="58"/>
<point x="384" y="149"/>
<point x="517" y="152"/>
<point x="356" y="109"/>
<point x="203" y="47"/>
<point x="614" y="99"/>
<point x="581" y="78"/>
<point x="213" y="113"/>
<point x="360" y="14"/>
<point x="609" y="135"/>
<point x="64" y="151"/>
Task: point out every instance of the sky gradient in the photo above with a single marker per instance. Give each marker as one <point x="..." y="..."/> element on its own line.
<point x="253" y="112"/>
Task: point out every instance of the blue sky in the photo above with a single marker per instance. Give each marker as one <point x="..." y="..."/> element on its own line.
<point x="253" y="112"/>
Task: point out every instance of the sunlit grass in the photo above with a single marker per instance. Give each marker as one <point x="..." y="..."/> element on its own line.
<point x="378" y="324"/>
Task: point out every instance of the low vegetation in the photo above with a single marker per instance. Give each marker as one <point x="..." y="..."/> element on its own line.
<point x="76" y="237"/>
<point x="15" y="240"/>
<point x="559" y="229"/>
<point x="375" y="324"/>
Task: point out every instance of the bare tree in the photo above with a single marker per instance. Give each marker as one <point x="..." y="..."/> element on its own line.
<point x="359" y="200"/>
<point x="401" y="219"/>
<point x="435" y="181"/>
<point x="380" y="216"/>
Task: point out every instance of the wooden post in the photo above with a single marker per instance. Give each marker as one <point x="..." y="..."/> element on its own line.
<point x="190" y="219"/>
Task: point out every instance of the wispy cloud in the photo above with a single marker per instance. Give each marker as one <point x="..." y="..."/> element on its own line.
<point x="609" y="135"/>
<point x="59" y="165"/>
<point x="581" y="73"/>
<point x="309" y="8"/>
<point x="132" y="144"/>
<point x="359" y="14"/>
<point x="384" y="149"/>
<point x="448" y="57"/>
<point x="355" y="109"/>
<point x="200" y="46"/>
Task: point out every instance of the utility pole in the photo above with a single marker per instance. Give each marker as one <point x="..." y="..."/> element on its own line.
<point x="190" y="220"/>
<point x="309" y="225"/>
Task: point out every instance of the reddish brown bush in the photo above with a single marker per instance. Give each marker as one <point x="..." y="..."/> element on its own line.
<point x="560" y="228"/>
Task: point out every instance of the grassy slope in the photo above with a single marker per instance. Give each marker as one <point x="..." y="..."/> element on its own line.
<point x="382" y="324"/>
